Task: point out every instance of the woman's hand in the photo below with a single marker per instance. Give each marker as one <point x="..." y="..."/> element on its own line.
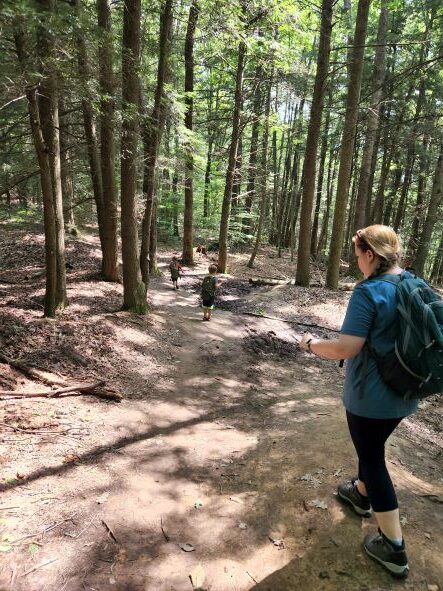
<point x="304" y="342"/>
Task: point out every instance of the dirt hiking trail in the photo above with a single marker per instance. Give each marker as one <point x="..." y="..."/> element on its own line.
<point x="217" y="471"/>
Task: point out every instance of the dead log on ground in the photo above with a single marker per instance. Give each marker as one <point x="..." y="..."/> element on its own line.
<point x="258" y="281"/>
<point x="91" y="388"/>
<point x="31" y="372"/>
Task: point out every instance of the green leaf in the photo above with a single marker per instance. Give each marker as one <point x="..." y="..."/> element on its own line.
<point x="5" y="547"/>
<point x="33" y="549"/>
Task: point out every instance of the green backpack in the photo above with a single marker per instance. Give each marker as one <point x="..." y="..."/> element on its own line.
<point x="208" y="287"/>
<point x="414" y="369"/>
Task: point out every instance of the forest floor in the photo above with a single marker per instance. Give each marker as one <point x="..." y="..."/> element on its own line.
<point x="218" y="469"/>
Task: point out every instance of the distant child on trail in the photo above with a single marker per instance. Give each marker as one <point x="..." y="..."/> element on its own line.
<point x="176" y="270"/>
<point x="209" y="286"/>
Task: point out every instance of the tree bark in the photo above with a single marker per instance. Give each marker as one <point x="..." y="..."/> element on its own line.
<point x="134" y="292"/>
<point x="66" y="170"/>
<point x="226" y="205"/>
<point x="252" y="164"/>
<point x="264" y="182"/>
<point x="89" y="123"/>
<point x="49" y="120"/>
<point x="347" y="145"/>
<point x="431" y="216"/>
<point x="373" y="119"/>
<point x="45" y="177"/>
<point x="309" y="164"/>
<point x="437" y="268"/>
<point x="107" y="143"/>
<point x="188" y="253"/>
<point x="151" y="134"/>
<point x="420" y="204"/>
<point x="320" y="178"/>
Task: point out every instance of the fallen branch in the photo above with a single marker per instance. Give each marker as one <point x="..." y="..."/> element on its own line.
<point x="163" y="530"/>
<point x="110" y="532"/>
<point x="45" y="531"/>
<point x="30" y="432"/>
<point x="31" y="372"/>
<point x="90" y="388"/>
<point x="290" y="321"/>
<point x="34" y="568"/>
<point x="51" y="393"/>
<point x="258" y="281"/>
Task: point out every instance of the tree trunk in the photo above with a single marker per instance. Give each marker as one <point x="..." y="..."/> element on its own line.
<point x="347" y="145"/>
<point x="226" y="205"/>
<point x="66" y="170"/>
<point x="332" y="169"/>
<point x="92" y="146"/>
<point x="134" y="292"/>
<point x="309" y="164"/>
<point x="45" y="179"/>
<point x="373" y="119"/>
<point x="107" y="143"/>
<point x="252" y="165"/>
<point x="264" y="183"/>
<point x="431" y="217"/>
<point x="420" y="204"/>
<point x="49" y="120"/>
<point x="207" y="179"/>
<point x="321" y="172"/>
<point x="401" y="206"/>
<point x="152" y="134"/>
<point x="437" y="269"/>
<point x="188" y="253"/>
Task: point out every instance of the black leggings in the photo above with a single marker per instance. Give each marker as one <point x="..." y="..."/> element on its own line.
<point x="369" y="437"/>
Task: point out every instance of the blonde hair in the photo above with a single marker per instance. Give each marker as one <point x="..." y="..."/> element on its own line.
<point x="383" y="242"/>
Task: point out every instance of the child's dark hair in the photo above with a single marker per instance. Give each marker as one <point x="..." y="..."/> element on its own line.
<point x="212" y="268"/>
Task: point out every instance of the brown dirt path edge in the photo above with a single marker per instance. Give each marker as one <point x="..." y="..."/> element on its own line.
<point x="234" y="453"/>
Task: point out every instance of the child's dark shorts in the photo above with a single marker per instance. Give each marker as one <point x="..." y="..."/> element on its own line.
<point x="208" y="303"/>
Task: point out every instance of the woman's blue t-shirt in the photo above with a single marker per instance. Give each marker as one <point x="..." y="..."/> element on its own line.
<point x="372" y="314"/>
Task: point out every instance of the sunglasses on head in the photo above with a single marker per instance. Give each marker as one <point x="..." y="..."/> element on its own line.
<point x="363" y="244"/>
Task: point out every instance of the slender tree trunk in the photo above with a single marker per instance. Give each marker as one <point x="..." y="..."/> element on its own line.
<point x="252" y="165"/>
<point x="207" y="179"/>
<point x="332" y="171"/>
<point x="431" y="218"/>
<point x="152" y="133"/>
<point x="373" y="118"/>
<point x="391" y="197"/>
<point x="321" y="171"/>
<point x="437" y="268"/>
<point x="420" y="204"/>
<point x="188" y="253"/>
<point x="226" y="205"/>
<point x="347" y="146"/>
<point x="264" y="182"/>
<point x="107" y="143"/>
<point x="66" y="170"/>
<point x="49" y="120"/>
<point x="134" y="292"/>
<point x="309" y="164"/>
<point x="401" y="206"/>
<point x="237" y="180"/>
<point x="89" y="122"/>
<point x="45" y="177"/>
<point x="378" y="206"/>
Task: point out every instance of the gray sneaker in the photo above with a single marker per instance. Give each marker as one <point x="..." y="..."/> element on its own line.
<point x="347" y="491"/>
<point x="393" y="558"/>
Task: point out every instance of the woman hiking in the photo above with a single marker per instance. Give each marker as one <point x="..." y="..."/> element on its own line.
<point x="373" y="410"/>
